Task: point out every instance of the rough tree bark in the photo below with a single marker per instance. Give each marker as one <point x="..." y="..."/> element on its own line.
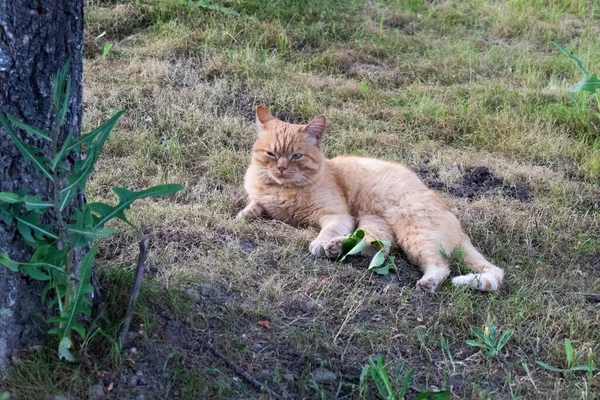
<point x="36" y="39"/>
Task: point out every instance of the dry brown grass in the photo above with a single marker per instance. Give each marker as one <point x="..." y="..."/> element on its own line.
<point x="450" y="86"/>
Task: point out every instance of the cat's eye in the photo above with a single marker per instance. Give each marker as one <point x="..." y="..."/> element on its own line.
<point x="270" y="154"/>
<point x="296" y="156"/>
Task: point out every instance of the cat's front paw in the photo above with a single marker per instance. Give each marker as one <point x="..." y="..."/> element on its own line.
<point x="316" y="247"/>
<point x="251" y="211"/>
<point x="334" y="247"/>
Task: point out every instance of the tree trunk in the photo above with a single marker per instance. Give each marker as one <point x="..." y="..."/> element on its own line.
<point x="36" y="39"/>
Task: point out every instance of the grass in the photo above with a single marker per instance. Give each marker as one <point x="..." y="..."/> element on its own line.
<point x="443" y="87"/>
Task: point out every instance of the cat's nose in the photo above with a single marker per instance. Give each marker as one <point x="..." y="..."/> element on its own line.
<point x="281" y="169"/>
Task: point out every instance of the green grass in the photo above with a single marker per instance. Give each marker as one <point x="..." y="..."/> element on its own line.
<point x="440" y="86"/>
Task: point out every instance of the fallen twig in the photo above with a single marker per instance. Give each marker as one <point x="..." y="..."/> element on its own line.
<point x="135" y="292"/>
<point x="238" y="370"/>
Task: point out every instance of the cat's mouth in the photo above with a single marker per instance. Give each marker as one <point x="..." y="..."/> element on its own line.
<point x="282" y="177"/>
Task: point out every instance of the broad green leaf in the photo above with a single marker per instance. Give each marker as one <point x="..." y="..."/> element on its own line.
<point x="377" y="260"/>
<point x="82" y="232"/>
<point x="387" y="266"/>
<point x="358" y="247"/>
<point x="549" y="367"/>
<point x="35" y="271"/>
<point x="28" y="152"/>
<point x="6" y="216"/>
<point x="569" y="353"/>
<point x="576" y="60"/>
<point x="35" y="203"/>
<point x="589" y="83"/>
<point x="434" y="395"/>
<point x="32" y="130"/>
<point x="63" y="349"/>
<point x="30" y="222"/>
<point x="8" y="263"/>
<point x="10" y="198"/>
<point x="126" y="198"/>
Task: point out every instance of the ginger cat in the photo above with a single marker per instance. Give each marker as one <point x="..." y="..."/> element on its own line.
<point x="289" y="179"/>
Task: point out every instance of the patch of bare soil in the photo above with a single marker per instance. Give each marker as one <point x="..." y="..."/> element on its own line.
<point x="476" y="182"/>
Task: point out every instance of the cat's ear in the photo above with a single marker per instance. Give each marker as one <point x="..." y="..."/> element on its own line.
<point x="314" y="130"/>
<point x="263" y="115"/>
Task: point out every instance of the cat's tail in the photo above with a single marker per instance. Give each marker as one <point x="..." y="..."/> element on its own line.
<point x="487" y="276"/>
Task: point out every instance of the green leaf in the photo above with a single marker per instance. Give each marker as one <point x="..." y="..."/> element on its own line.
<point x="504" y="338"/>
<point x="30" y="222"/>
<point x="126" y="198"/>
<point x="387" y="266"/>
<point x="475" y="344"/>
<point x="589" y="83"/>
<point x="6" y="216"/>
<point x="406" y="382"/>
<point x="32" y="130"/>
<point x="63" y="349"/>
<point x="82" y="232"/>
<point x="549" y="367"/>
<point x="569" y="353"/>
<point x="434" y="395"/>
<point x="28" y="152"/>
<point x="36" y="269"/>
<point x="89" y="137"/>
<point x="35" y="203"/>
<point x="61" y="89"/>
<point x="64" y="150"/>
<point x="358" y="247"/>
<point x="576" y="60"/>
<point x="78" y="303"/>
<point x="8" y="263"/>
<point x="10" y="198"/>
<point x="377" y="260"/>
<point x="84" y="168"/>
<point x="215" y="7"/>
<point x="382" y="244"/>
<point x="584" y="367"/>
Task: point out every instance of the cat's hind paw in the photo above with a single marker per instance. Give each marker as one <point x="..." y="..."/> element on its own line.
<point x="484" y="281"/>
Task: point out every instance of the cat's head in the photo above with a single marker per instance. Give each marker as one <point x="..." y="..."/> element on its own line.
<point x="285" y="153"/>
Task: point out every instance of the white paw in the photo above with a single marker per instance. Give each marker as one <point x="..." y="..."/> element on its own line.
<point x="316" y="247"/>
<point x="484" y="281"/>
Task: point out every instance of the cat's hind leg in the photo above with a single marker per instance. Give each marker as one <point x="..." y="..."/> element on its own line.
<point x="488" y="277"/>
<point x="376" y="228"/>
<point x="421" y="242"/>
